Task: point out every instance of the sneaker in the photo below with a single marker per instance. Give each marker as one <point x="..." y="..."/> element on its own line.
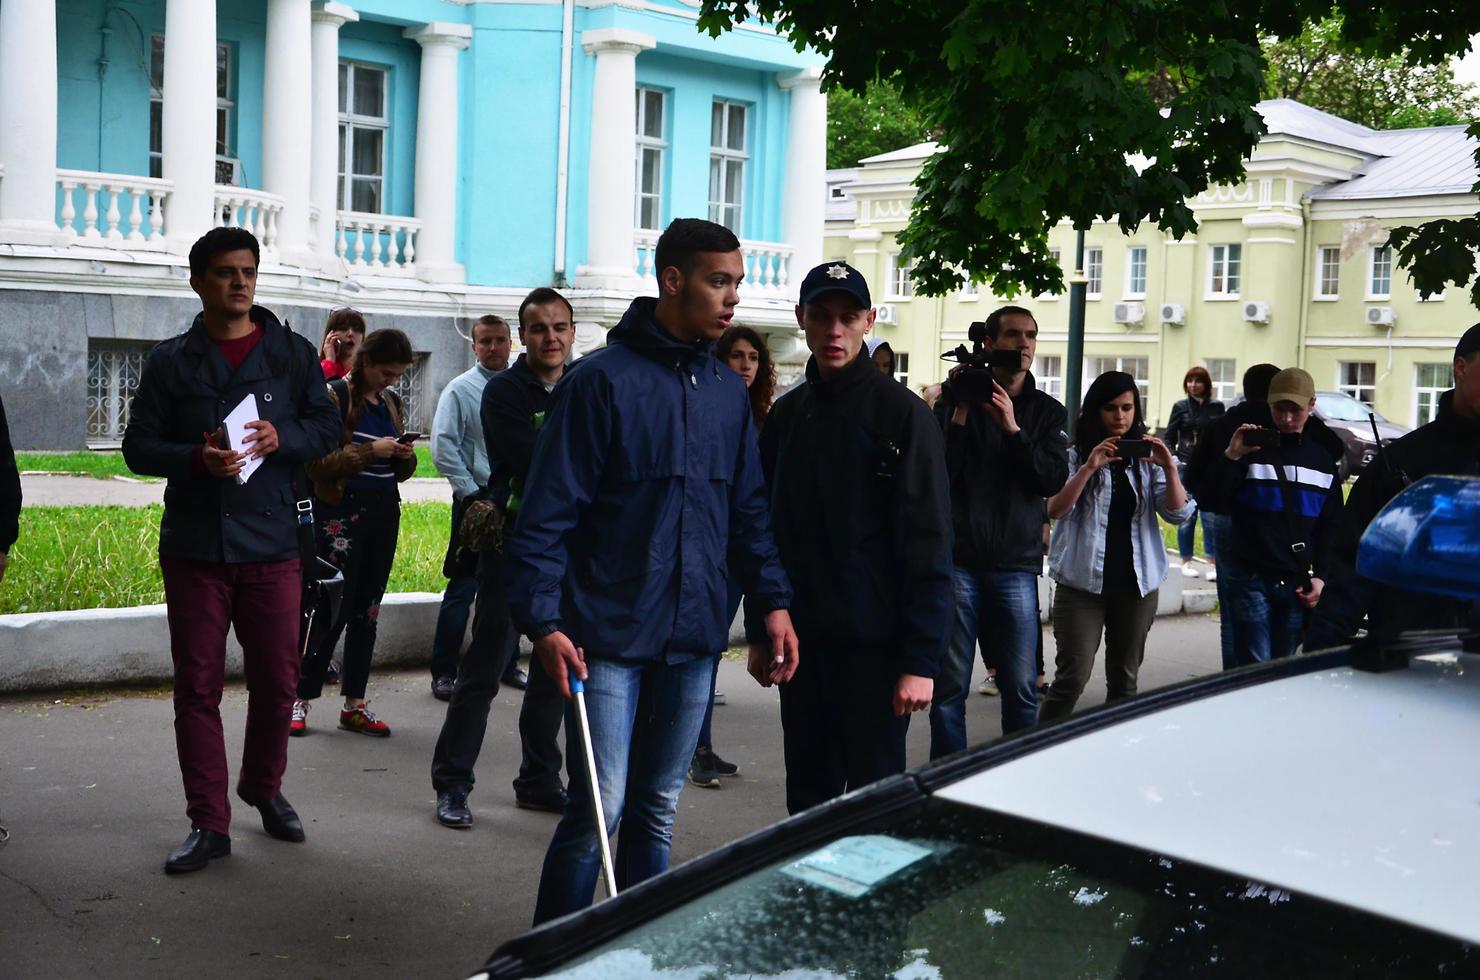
<point x="1211" y="574"/>
<point x="707" y="759"/>
<point x="516" y="678"/>
<point x="719" y="697"/>
<point x="299" y="724"/>
<point x="452" y="809"/>
<point x="1187" y="570"/>
<point x="442" y="688"/>
<point x="359" y="719"/>
<point x="988" y="687"/>
<point x="700" y="776"/>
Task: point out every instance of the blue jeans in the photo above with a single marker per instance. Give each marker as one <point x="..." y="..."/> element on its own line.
<point x="1006" y="604"/>
<point x="1218" y="540"/>
<point x="1268" y="619"/>
<point x="644" y="725"/>
<point x="452" y="624"/>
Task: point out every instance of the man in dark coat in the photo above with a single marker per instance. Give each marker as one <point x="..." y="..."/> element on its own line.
<point x="228" y="541"/>
<point x="861" y="507"/>
<point x="644" y="496"/>
<point x="10" y="494"/>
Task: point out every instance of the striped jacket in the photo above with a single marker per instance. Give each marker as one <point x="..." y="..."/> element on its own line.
<point x="1261" y="534"/>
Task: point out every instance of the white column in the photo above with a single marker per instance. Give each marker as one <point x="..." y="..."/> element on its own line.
<point x="287" y="129"/>
<point x="611" y="172"/>
<point x="804" y="190"/>
<point x="28" y="119"/>
<point x="188" y="139"/>
<point x="436" y="148"/>
<point x="323" y="192"/>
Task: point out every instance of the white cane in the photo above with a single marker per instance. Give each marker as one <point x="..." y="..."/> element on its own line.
<point x="584" y="724"/>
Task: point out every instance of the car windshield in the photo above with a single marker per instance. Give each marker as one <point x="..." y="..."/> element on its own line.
<point x="1344" y="408"/>
<point x="956" y="891"/>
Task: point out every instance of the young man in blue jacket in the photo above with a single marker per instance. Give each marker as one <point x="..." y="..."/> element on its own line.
<point x="229" y="550"/>
<point x="644" y="496"/>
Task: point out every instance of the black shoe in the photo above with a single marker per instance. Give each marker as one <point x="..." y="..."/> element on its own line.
<point x="197" y="851"/>
<point x="700" y="775"/>
<point x="279" y="819"/>
<point x="516" y="678"/>
<point x="549" y="800"/>
<point x="452" y="809"/>
<point x="706" y="759"/>
<point x="442" y="688"/>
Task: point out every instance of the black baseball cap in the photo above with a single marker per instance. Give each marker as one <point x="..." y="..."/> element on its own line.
<point x="835" y="277"/>
<point x="1469" y="343"/>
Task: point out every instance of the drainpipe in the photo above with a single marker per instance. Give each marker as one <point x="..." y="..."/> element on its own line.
<point x="562" y="170"/>
<point x="1308" y="260"/>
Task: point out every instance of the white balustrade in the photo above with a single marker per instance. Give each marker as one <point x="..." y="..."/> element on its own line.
<point x="103" y="222"/>
<point x="384" y="244"/>
<point x="256" y="211"/>
<point x="767" y="266"/>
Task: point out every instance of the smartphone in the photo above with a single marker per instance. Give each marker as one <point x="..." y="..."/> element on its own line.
<point x="1132" y="448"/>
<point x="1007" y="360"/>
<point x="1261" y="438"/>
<point x="407" y="438"/>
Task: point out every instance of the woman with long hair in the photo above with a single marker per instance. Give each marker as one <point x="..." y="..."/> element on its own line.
<point x="744" y="351"/>
<point x="343" y="333"/>
<point x="1189" y="420"/>
<point x="1106" y="554"/>
<point x="358" y="519"/>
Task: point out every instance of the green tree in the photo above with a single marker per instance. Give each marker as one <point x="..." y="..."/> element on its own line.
<point x="1047" y="115"/>
<point x="876" y="120"/>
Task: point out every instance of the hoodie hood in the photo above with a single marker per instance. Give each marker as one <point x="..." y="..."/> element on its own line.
<point x="639" y="330"/>
<point x="871" y="345"/>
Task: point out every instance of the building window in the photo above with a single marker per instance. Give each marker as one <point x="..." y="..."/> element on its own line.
<point x="1053" y="254"/>
<point x="1048" y="375"/>
<point x="902" y="368"/>
<point x="1224" y="266"/>
<point x="1135" y="272"/>
<point x="363" y="125"/>
<point x="226" y="164"/>
<point x="1137" y="367"/>
<point x="1380" y="283"/>
<point x="113" y="372"/>
<point x="1358" y="379"/>
<point x="727" y="164"/>
<point x="1094" y="271"/>
<point x="650" y="147"/>
<point x="897" y="277"/>
<point x="412" y="389"/>
<point x="1430" y="381"/>
<point x="969" y="291"/>
<point x="1221" y="371"/>
<point x="1328" y="272"/>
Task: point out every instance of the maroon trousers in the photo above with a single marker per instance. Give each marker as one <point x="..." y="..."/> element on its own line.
<point x="261" y="600"/>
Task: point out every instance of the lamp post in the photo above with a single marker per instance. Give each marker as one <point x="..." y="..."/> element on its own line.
<point x="1078" y="283"/>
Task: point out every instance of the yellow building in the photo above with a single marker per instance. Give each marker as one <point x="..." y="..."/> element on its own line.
<point x="1291" y="267"/>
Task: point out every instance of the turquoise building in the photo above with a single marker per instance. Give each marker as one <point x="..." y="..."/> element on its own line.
<point x="424" y="161"/>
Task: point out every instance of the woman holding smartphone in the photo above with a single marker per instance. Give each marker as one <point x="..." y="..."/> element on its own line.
<point x="358" y="519"/>
<point x="1106" y="553"/>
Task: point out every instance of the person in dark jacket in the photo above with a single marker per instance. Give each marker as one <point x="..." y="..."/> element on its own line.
<point x="1449" y="445"/>
<point x="1285" y="498"/>
<point x="513" y="403"/>
<point x="1005" y="457"/>
<point x="856" y="467"/>
<point x="644" y="496"/>
<point x="1190" y="419"/>
<point x="228" y="547"/>
<point x="10" y="494"/>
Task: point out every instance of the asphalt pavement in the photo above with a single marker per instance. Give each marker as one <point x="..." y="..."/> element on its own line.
<point x="90" y="791"/>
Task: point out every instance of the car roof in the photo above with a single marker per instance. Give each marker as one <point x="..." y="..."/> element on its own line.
<point x="1356" y="787"/>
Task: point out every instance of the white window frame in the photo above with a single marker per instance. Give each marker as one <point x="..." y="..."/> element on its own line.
<point x="728" y="158"/>
<point x="646" y="145"/>
<point x="1051" y="297"/>
<point x="1355" y="388"/>
<point x="902" y="367"/>
<point x="899" y="285"/>
<point x="1420" y="390"/>
<point x="1094" y="272"/>
<point x="1322" y="254"/>
<point x="1225" y="268"/>
<point x="970" y="293"/>
<point x="225" y="109"/>
<point x="350" y="122"/>
<point x="1048" y="375"/>
<point x="1131" y="292"/>
<point x="1143" y="383"/>
<point x="1222" y="390"/>
<point x="1372" y="265"/>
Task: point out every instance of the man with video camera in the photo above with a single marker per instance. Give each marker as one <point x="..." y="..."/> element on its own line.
<point x="1006" y="451"/>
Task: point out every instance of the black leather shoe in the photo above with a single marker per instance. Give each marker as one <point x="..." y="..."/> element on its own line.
<point x="279" y="819"/>
<point x="452" y="810"/>
<point x="550" y="800"/>
<point x="516" y="678"/>
<point x="442" y="688"/>
<point x="197" y="851"/>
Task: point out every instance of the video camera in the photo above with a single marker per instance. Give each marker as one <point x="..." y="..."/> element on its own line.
<point x="973" y="385"/>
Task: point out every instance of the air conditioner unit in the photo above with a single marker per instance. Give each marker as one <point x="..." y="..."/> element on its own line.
<point x="1173" y="313"/>
<point x="884" y="313"/>
<point x="1130" y="312"/>
<point x="1381" y="316"/>
<point x="229" y="172"/>
<point x="1256" y="312"/>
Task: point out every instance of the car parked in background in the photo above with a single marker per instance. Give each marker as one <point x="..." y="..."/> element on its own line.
<point x="1348" y="418"/>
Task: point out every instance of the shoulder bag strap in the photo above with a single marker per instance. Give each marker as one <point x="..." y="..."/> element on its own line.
<point x="1298" y="548"/>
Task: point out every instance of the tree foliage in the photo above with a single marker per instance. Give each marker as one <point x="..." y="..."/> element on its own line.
<point x="1047" y="115"/>
<point x="876" y="120"/>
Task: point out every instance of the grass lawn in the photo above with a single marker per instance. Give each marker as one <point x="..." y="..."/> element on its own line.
<point x="110" y="463"/>
<point x="106" y="557"/>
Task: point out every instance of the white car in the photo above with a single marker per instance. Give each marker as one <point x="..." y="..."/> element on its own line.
<point x="1316" y="816"/>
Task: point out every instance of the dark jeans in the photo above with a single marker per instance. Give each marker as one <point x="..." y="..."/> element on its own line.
<point x="358" y="535"/>
<point x="489" y="655"/>
<point x="261" y="601"/>
<point x="1268" y="619"/>
<point x="706" y="735"/>
<point x="1217" y="539"/>
<point x="839" y="730"/>
<point x="457" y="604"/>
<point x="1123" y="616"/>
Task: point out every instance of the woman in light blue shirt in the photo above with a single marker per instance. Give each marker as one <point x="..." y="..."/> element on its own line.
<point x="1107" y="556"/>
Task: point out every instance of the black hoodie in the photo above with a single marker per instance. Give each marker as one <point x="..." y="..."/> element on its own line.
<point x="10" y="488"/>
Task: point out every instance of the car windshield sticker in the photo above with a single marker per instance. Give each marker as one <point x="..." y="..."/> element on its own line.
<point x="852" y="866"/>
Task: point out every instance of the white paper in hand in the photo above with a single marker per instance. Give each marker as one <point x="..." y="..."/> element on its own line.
<point x="237" y="432"/>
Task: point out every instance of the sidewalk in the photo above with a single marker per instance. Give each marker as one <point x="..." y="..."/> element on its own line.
<point x="78" y="491"/>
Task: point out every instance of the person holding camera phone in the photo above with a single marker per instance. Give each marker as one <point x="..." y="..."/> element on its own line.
<point x="1281" y="487"/>
<point x="1005" y="452"/>
<point x="359" y="519"/>
<point x="1107" y="553"/>
<point x="343" y="333"/>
